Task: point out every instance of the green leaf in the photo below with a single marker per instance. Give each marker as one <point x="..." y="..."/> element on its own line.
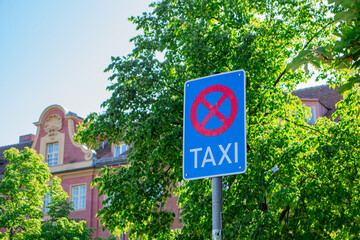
<point x="306" y="68"/>
<point x="344" y="16"/>
<point x="295" y="64"/>
<point x="315" y="64"/>
<point x="321" y="50"/>
<point x="337" y="2"/>
<point x="345" y="87"/>
<point x="304" y="53"/>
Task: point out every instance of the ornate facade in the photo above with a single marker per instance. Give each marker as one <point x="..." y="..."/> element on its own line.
<point x="72" y="162"/>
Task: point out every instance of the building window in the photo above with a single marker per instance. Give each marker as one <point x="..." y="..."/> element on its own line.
<point x="47" y="200"/>
<point x="79" y="196"/>
<point x="108" y="199"/>
<point x="119" y="150"/>
<point x="313" y="116"/>
<point x="52" y="154"/>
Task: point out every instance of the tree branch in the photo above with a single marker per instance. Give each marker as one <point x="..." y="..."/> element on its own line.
<point x="303" y="126"/>
<point x="172" y="88"/>
<point x="224" y="62"/>
<point x="284" y="213"/>
<point x="305" y="46"/>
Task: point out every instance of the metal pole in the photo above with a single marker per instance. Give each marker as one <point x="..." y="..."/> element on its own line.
<point x="217" y="208"/>
<point x="217" y="204"/>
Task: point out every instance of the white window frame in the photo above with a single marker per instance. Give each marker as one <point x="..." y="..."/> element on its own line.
<point x="118" y="150"/>
<point x="52" y="153"/>
<point x="78" y="196"/>
<point x="47" y="200"/>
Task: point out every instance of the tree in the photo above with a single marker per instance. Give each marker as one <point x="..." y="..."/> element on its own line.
<point x="21" y="194"/>
<point x="22" y="191"/>
<point x="60" y="225"/>
<point x="342" y="53"/>
<point x="346" y="50"/>
<point x="309" y="197"/>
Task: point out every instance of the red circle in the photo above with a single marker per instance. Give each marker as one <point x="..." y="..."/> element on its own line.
<point x="213" y="110"/>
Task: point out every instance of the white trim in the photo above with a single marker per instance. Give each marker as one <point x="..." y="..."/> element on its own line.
<point x="52" y="154"/>
<point x="79" y="199"/>
<point x="118" y="150"/>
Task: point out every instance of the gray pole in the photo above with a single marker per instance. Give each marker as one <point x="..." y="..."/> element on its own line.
<point x="217" y="208"/>
<point x="217" y="204"/>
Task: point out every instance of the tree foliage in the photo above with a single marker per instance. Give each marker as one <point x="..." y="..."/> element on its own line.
<point x="347" y="49"/>
<point x="21" y="194"/>
<point x="344" y="51"/>
<point x="311" y="196"/>
<point x="22" y="191"/>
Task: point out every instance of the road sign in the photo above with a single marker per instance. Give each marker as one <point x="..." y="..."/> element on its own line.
<point x="215" y="126"/>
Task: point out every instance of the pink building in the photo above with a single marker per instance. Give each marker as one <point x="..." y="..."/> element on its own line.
<point x="77" y="166"/>
<point x="320" y="99"/>
<point x="72" y="162"/>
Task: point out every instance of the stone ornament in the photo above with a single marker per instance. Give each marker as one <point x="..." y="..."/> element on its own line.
<point x="53" y="125"/>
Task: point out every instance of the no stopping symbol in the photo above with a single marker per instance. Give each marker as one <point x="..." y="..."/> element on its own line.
<point x="227" y="93"/>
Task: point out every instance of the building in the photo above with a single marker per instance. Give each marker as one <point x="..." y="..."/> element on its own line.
<point x="320" y="99"/>
<point x="77" y="166"/>
<point x="72" y="162"/>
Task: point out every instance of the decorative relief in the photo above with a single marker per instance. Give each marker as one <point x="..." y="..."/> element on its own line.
<point x="71" y="127"/>
<point x="88" y="154"/>
<point x="53" y="125"/>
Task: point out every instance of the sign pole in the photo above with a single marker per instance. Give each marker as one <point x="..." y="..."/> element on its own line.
<point x="217" y="204"/>
<point x="217" y="208"/>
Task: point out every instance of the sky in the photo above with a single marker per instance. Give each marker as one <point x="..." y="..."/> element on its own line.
<point x="55" y="52"/>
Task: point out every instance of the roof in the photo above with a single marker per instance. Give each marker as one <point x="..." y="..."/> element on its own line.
<point x="326" y="96"/>
<point x="104" y="149"/>
<point x="19" y="146"/>
<point x="121" y="159"/>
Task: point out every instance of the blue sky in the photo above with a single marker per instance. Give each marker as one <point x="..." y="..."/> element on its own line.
<point x="54" y="52"/>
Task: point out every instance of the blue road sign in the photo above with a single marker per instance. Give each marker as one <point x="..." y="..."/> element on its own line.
<point x="215" y="126"/>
